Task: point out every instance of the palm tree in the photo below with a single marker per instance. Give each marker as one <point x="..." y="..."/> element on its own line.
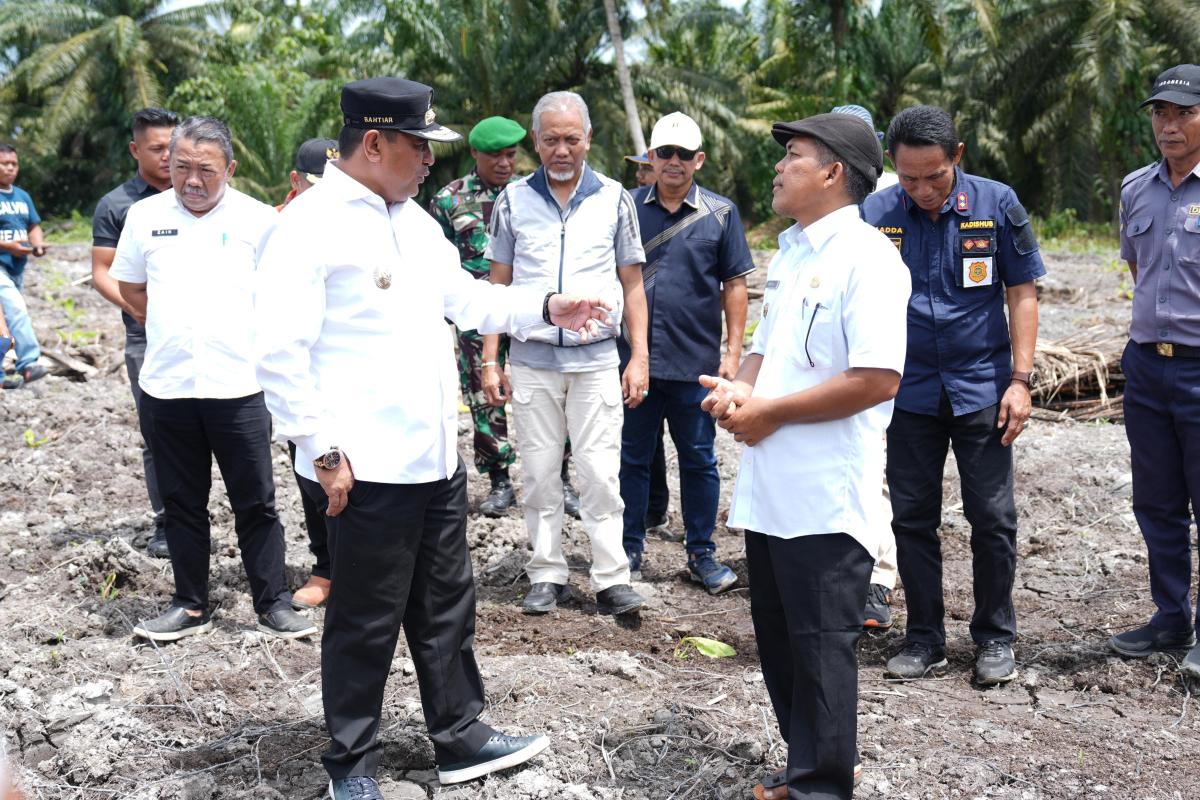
<point x="112" y="55"/>
<point x="637" y="138"/>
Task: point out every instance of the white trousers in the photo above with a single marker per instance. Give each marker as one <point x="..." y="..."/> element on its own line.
<point x="547" y="407"/>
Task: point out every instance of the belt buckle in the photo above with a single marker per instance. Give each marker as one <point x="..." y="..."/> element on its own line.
<point x="1165" y="349"/>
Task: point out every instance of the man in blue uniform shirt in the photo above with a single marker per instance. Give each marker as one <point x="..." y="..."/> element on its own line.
<point x="1160" y="238"/>
<point x="970" y="248"/>
<point x="697" y="260"/>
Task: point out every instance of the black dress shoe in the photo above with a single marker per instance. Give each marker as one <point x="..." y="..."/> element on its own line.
<point x="1148" y="639"/>
<point x="499" y="500"/>
<point x="570" y="500"/>
<point x="499" y="752"/>
<point x="544" y="597"/>
<point x="175" y="624"/>
<point x="619" y="599"/>
<point x="157" y="546"/>
<point x="286" y="624"/>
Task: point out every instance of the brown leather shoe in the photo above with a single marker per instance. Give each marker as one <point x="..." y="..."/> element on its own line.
<point x="312" y="594"/>
<point x="781" y="792"/>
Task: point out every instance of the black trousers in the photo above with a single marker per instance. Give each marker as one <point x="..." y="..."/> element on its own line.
<point x="806" y="600"/>
<point x="185" y="435"/>
<point x="400" y="557"/>
<point x="135" y="356"/>
<point x="314" y="525"/>
<point x="917" y="447"/>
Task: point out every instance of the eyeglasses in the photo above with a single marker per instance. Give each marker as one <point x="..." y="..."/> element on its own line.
<point x="667" y="151"/>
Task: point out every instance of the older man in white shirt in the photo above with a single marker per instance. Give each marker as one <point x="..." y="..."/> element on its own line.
<point x="185" y="264"/>
<point x="811" y="402"/>
<point x="358" y="370"/>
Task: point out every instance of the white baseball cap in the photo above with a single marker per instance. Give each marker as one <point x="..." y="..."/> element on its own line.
<point x="678" y="129"/>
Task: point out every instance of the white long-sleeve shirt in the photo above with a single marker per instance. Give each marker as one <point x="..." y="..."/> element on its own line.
<point x="347" y="363"/>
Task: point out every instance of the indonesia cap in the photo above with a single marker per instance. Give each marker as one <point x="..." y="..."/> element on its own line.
<point x="1179" y="85"/>
<point x="312" y="156"/>
<point x="393" y="104"/>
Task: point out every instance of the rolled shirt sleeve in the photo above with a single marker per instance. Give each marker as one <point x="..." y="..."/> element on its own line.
<point x="628" y="242"/>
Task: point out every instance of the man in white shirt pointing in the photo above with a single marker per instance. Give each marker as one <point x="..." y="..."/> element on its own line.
<point x="355" y="285"/>
<point x="185" y="267"/>
<point x="811" y="402"/>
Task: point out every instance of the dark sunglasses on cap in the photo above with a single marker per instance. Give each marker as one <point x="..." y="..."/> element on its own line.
<point x="667" y="151"/>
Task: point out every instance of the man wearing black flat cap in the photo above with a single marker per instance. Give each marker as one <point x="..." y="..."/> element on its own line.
<point x="1160" y="238"/>
<point x="376" y="443"/>
<point x="311" y="158"/>
<point x="811" y="402"/>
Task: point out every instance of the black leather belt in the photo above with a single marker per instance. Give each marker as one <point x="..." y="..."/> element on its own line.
<point x="1170" y="350"/>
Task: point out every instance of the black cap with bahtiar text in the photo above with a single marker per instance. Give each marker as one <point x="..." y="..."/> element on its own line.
<point x="393" y="104"/>
<point x="1179" y="85"/>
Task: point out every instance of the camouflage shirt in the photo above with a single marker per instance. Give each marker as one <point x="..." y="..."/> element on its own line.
<point x="463" y="208"/>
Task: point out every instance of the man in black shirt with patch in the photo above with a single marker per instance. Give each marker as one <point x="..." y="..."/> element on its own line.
<point x="151" y="136"/>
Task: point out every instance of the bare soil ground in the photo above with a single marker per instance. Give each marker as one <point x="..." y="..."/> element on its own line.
<point x="91" y="713"/>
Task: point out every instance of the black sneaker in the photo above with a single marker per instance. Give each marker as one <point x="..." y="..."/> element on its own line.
<point x="355" y="788"/>
<point x="286" y="624"/>
<point x="619" y="599"/>
<point x="36" y="372"/>
<point x="570" y="500"/>
<point x="994" y="663"/>
<point x="1191" y="663"/>
<point x="157" y="546"/>
<point x="175" y="624"/>
<point x="499" y="500"/>
<point x="656" y="524"/>
<point x="544" y="597"/>
<point x="1148" y="639"/>
<point x="635" y="565"/>
<point x="916" y="660"/>
<point x="500" y="752"/>
<point x="878" y="611"/>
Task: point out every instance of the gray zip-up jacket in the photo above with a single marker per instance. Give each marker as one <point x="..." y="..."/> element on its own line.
<point x="576" y="249"/>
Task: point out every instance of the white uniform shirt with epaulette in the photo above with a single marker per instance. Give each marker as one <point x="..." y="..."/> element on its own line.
<point x="836" y="298"/>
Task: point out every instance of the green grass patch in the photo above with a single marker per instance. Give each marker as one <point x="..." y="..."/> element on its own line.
<point x="1062" y="231"/>
<point x="75" y="229"/>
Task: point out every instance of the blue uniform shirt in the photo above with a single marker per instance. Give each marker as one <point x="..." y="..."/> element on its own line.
<point x="17" y="216"/>
<point x="1160" y="232"/>
<point x="689" y="254"/>
<point x="961" y="263"/>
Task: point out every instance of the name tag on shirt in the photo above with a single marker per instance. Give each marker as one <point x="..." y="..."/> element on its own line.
<point x="978" y="271"/>
<point x="165" y="232"/>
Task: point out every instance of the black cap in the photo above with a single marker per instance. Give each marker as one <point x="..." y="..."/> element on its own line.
<point x="312" y="155"/>
<point x="849" y="137"/>
<point x="1179" y="85"/>
<point x="393" y="104"/>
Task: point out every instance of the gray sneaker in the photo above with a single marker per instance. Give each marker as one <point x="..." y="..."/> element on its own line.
<point x="286" y="624"/>
<point x="994" y="663"/>
<point x="1191" y="663"/>
<point x="357" y="787"/>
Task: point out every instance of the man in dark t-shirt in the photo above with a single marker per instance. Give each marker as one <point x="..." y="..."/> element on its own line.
<point x="151" y="138"/>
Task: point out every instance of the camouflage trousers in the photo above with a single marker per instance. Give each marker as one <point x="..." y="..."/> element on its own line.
<point x="492" y="448"/>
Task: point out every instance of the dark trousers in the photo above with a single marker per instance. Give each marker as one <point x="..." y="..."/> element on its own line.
<point x="806" y="600"/>
<point x="917" y="446"/>
<point x="185" y="435"/>
<point x="660" y="495"/>
<point x="400" y="558"/>
<point x="314" y="525"/>
<point x="1162" y="421"/>
<point x="135" y="355"/>
<point x="693" y="431"/>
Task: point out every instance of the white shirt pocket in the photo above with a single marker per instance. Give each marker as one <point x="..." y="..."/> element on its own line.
<point x="814" y="332"/>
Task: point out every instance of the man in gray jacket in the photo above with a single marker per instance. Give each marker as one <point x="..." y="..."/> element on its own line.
<point x="566" y="228"/>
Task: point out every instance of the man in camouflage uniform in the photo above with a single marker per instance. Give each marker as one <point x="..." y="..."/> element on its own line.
<point x="463" y="208"/>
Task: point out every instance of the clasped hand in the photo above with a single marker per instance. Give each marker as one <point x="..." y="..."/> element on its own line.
<point x="750" y="419"/>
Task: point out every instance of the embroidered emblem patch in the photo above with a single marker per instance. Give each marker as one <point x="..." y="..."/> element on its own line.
<point x="977" y="271"/>
<point x="961" y="203"/>
<point x="815" y="282"/>
<point x="1194" y="210"/>
<point x="383" y="278"/>
<point x="968" y="244"/>
<point x="897" y="240"/>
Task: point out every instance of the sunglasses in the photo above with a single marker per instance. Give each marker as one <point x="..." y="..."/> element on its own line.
<point x="667" y="151"/>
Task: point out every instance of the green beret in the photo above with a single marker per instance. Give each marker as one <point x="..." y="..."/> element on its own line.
<point x="495" y="133"/>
